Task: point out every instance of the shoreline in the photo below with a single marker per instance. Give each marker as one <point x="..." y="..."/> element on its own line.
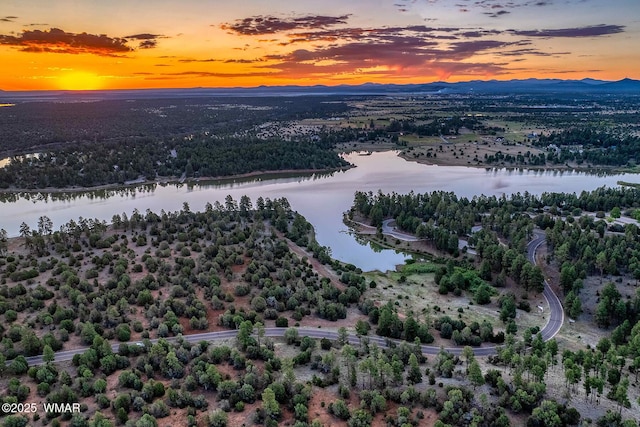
<point x="175" y="180"/>
<point x="462" y="162"/>
<point x="301" y="172"/>
<point x="448" y="162"/>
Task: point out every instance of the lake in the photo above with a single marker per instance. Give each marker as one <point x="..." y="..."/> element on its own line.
<point x="321" y="198"/>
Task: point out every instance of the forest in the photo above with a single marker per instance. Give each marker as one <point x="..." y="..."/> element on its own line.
<point x="112" y="142"/>
<point x="34" y="126"/>
<point x="88" y="165"/>
<point x="582" y="245"/>
<point x="592" y="145"/>
<point x="131" y="293"/>
<point x="115" y="142"/>
<point x="585" y="244"/>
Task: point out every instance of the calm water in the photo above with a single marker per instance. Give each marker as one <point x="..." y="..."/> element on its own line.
<point x="320" y="198"/>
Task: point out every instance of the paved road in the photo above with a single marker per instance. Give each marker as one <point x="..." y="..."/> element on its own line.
<point x="67" y="355"/>
<point x="390" y="230"/>
<point x="551" y="328"/>
<point x="556" y="312"/>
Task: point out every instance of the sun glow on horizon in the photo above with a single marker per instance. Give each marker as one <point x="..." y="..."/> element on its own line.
<point x="80" y="80"/>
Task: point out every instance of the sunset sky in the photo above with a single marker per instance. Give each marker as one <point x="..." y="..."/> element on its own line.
<point x="86" y="44"/>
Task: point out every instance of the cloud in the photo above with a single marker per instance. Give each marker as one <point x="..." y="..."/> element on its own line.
<point x="147" y="41"/>
<point x="259" y="25"/>
<point x="144" y="36"/>
<point x="470" y="34"/>
<point x="497" y="14"/>
<point x="588" y="31"/>
<point x="371" y="34"/>
<point x="328" y="48"/>
<point x="491" y="6"/>
<point x="205" y="74"/>
<point x="394" y="54"/>
<point x="241" y="61"/>
<point x="226" y="61"/>
<point x="148" y="44"/>
<point x="190" y="60"/>
<point x="56" y="40"/>
<point x="392" y="51"/>
<point x="529" y="52"/>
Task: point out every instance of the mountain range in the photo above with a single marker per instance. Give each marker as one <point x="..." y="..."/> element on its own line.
<point x="484" y="87"/>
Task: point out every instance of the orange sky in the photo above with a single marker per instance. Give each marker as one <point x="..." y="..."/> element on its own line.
<point x="70" y="44"/>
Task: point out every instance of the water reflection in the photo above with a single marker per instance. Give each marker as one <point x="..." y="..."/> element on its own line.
<point x="321" y="198"/>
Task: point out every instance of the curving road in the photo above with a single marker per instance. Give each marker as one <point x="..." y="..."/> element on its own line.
<point x="390" y="230"/>
<point x="550" y="329"/>
<point x="556" y="312"/>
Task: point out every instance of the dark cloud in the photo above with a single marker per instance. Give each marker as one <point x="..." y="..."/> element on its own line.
<point x="330" y="49"/>
<point x="589" y="31"/>
<point x="189" y="60"/>
<point x="472" y="34"/>
<point x="371" y="34"/>
<point x="470" y="48"/>
<point x="577" y="71"/>
<point x="258" y="25"/>
<point x="148" y="44"/>
<point x="497" y="14"/>
<point x="144" y="36"/>
<point x="441" y="69"/>
<point x="147" y="40"/>
<point x="394" y="53"/>
<point x="241" y="61"/>
<point x="529" y="52"/>
<point x="388" y="50"/>
<point x="467" y="5"/>
<point x="214" y="74"/>
<point x="56" y="40"/>
<point x="226" y="61"/>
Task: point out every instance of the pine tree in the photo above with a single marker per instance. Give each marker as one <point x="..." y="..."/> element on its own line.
<point x="414" y="376"/>
<point x="270" y="405"/>
<point x="475" y="374"/>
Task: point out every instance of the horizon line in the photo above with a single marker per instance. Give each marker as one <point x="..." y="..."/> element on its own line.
<point x="316" y="85"/>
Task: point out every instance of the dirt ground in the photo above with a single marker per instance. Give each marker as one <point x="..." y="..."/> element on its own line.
<point x="465" y="150"/>
<point x="419" y="294"/>
<point x="581" y="333"/>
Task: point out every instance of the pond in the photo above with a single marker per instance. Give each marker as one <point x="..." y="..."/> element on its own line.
<point x="321" y="198"/>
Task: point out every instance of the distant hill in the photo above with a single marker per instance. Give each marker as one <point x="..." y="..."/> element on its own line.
<point x="533" y="86"/>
